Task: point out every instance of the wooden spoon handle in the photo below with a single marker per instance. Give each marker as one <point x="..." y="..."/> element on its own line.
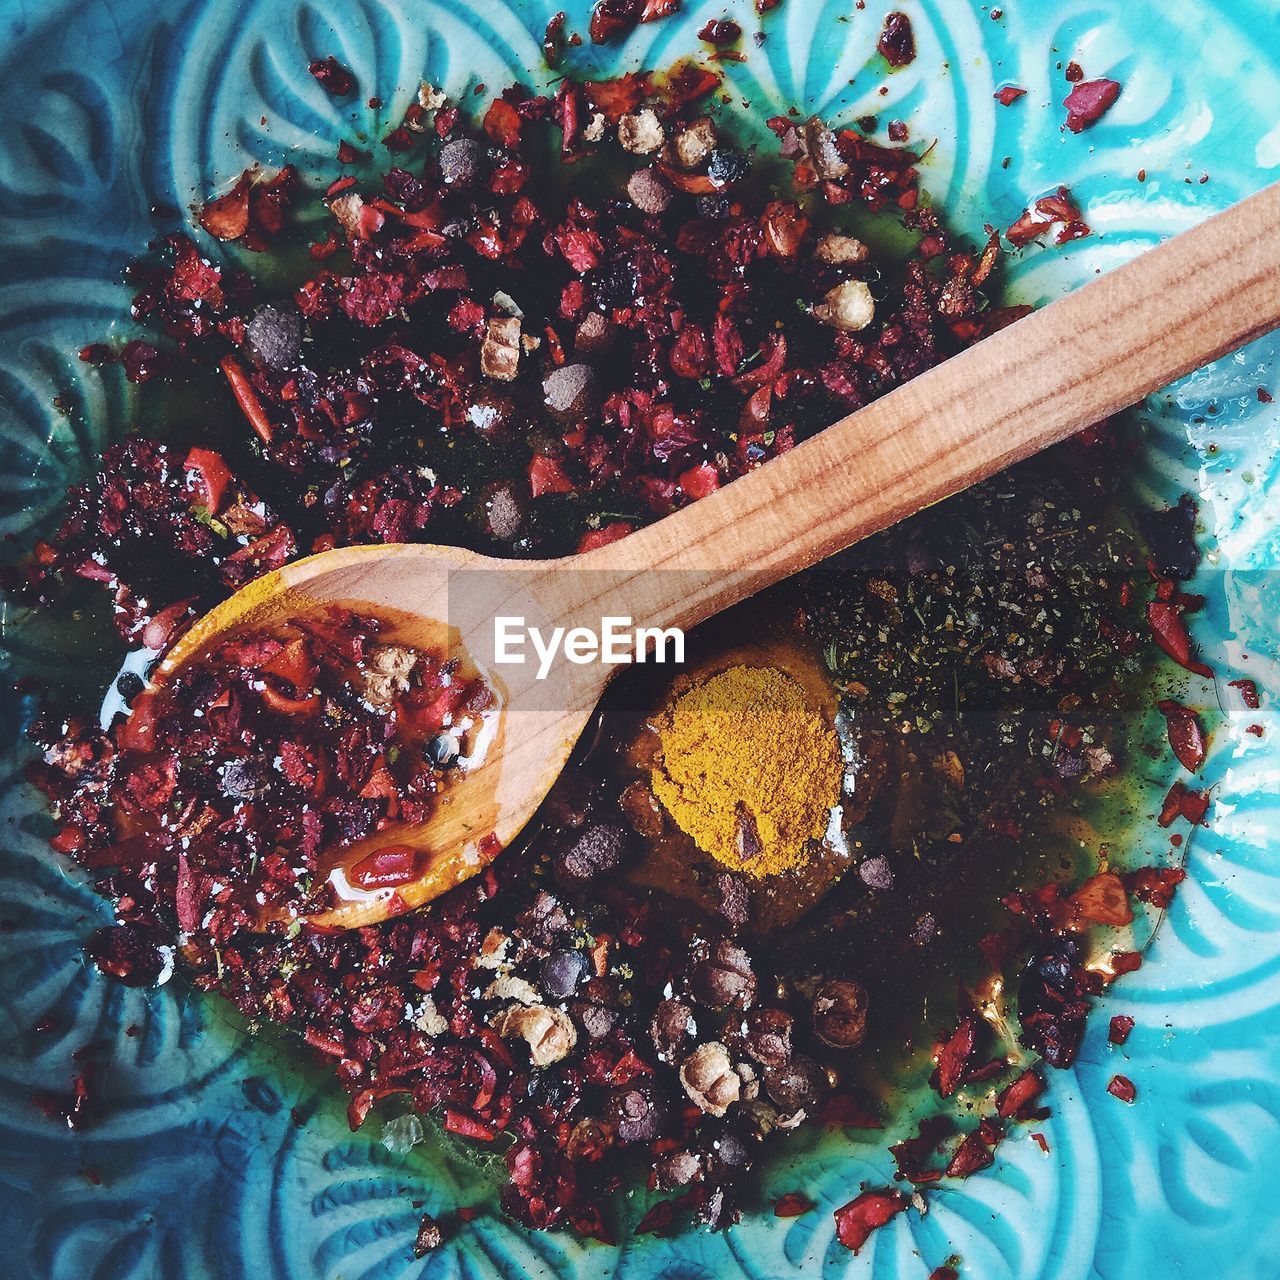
<point x="1063" y="368"/>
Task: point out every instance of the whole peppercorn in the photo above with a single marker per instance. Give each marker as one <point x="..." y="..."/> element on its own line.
<point x="800" y="1085"/>
<point x="724" y="978"/>
<point x="727" y="167"/>
<point x="635" y="1114"/>
<point x="768" y="1037"/>
<point x="840" y="1013"/>
<point x="561" y="973"/>
<point x="672" y="1025"/>
<point x="709" y="1078"/>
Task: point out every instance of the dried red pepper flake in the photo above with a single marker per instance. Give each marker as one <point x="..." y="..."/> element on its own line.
<point x="1014" y="1101"/>
<point x="792" y="1205"/>
<point x="1123" y="962"/>
<point x="613" y="19"/>
<point x="866" y="1213"/>
<point x="897" y="43"/>
<point x="1248" y="692"/>
<point x="970" y="1156"/>
<point x="944" y="1272"/>
<point x="333" y="77"/>
<point x="1008" y="94"/>
<point x="1041" y="1141"/>
<point x="467" y="1126"/>
<point x="386" y="868"/>
<point x="1123" y="1088"/>
<point x="1089" y="101"/>
<point x="227" y="217"/>
<point x="1119" y="1028"/>
<point x="1154" y="885"/>
<point x="720" y="31"/>
<point x="1186" y="734"/>
<point x="658" y="1221"/>
<point x="1102" y="899"/>
<point x="1181" y="802"/>
<point x="1170" y="632"/>
<point x="954" y="1056"/>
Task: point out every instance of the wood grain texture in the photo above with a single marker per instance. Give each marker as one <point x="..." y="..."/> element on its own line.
<point x="1053" y="373"/>
<point x="1063" y="368"/>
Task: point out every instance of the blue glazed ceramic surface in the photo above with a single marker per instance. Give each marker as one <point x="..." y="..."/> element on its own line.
<point x="113" y="107"/>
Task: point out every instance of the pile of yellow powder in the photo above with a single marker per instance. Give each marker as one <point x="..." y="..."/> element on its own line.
<point x="748" y="768"/>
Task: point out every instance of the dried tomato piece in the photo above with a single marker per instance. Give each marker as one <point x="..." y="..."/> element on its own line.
<point x="869" y="1212"/>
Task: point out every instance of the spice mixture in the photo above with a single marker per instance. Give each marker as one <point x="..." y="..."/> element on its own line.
<point x="481" y="353"/>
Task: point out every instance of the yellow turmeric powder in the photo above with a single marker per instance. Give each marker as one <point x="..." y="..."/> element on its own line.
<point x="748" y="768"/>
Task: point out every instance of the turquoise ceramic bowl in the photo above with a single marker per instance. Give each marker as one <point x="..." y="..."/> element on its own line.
<point x="112" y="107"/>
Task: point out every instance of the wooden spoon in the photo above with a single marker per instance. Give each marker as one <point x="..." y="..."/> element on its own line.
<point x="1055" y="372"/>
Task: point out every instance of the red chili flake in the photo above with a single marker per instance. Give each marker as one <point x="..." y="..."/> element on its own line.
<point x="945" y="1272"/>
<point x="247" y="399"/>
<point x="766" y="6"/>
<point x="347" y="154"/>
<point x="721" y="32"/>
<point x="843" y="1110"/>
<point x="655" y="9"/>
<point x="897" y="43"/>
<point x="595" y="538"/>
<point x="227" y="217"/>
<point x="897" y="131"/>
<point x="553" y="40"/>
<point x="1256" y="729"/>
<point x="97" y="353"/>
<point x="1120" y="1027"/>
<point x="1008" y="94"/>
<point x="1041" y="1141"/>
<point x="1102" y="899"/>
<point x="953" y="1057"/>
<point x="856" y="1220"/>
<point x="1089" y="101"/>
<point x="333" y="77"/>
<point x="1015" y="1100"/>
<point x="547" y="476"/>
<point x="397" y="864"/>
<point x="1248" y="693"/>
<point x="613" y="19"/>
<point x="467" y="1126"/>
<point x="1122" y="1087"/>
<point x="1264" y="396"/>
<point x="970" y="1156"/>
<point x="1123" y="962"/>
<point x="1170" y="633"/>
<point x="502" y="122"/>
<point x="1184" y="803"/>
<point x="792" y="1205"/>
<point x="1074" y="73"/>
<point x="700" y="481"/>
<point x="1186" y="734"/>
<point x="1155" y="885"/>
<point x="469" y="1212"/>
<point x="658" y="1221"/>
